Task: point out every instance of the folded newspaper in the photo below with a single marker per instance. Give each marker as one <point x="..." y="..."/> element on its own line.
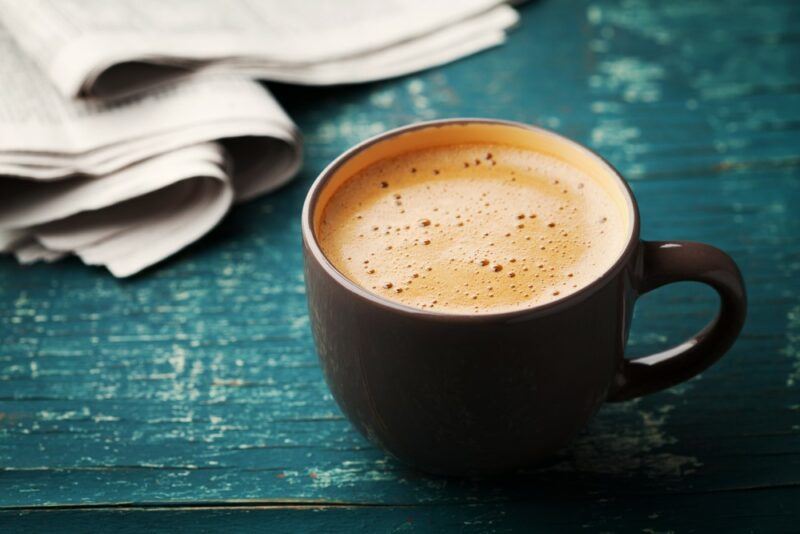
<point x="126" y="183"/>
<point x="100" y="47"/>
<point x="168" y="131"/>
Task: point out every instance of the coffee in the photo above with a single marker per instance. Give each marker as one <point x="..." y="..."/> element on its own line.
<point x="472" y="228"/>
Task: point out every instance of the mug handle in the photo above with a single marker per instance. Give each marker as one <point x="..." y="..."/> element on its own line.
<point x="665" y="262"/>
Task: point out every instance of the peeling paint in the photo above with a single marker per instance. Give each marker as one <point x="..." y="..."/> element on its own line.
<point x="351" y="473"/>
<point x="348" y="132"/>
<point x="383" y="99"/>
<point x="792" y="348"/>
<point x="633" y="79"/>
<point x="627" y="440"/>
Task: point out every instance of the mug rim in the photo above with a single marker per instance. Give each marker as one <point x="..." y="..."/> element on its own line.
<point x="312" y="247"/>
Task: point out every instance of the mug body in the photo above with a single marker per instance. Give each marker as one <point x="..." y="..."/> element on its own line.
<point x="468" y="394"/>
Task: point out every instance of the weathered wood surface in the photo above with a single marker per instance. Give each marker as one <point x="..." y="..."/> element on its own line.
<point x="191" y="395"/>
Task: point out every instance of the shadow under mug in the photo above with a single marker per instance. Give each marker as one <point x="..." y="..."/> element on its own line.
<point x="485" y="394"/>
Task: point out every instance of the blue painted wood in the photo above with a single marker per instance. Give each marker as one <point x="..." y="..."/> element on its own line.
<point x="197" y="382"/>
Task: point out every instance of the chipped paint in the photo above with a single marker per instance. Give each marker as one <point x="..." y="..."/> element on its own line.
<point x="417" y="91"/>
<point x="626" y="440"/>
<point x="351" y="473"/>
<point x="792" y="348"/>
<point x="632" y="78"/>
<point x="348" y="132"/>
<point x="383" y="99"/>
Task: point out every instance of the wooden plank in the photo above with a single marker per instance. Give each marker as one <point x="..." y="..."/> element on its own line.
<point x="198" y="381"/>
<point x="736" y="511"/>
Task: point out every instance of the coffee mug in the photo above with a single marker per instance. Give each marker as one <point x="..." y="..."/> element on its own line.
<point x="490" y="393"/>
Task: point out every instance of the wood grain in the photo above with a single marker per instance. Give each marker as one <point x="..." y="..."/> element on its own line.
<point x="191" y="395"/>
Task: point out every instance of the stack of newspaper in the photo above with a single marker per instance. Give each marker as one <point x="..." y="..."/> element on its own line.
<point x="129" y="128"/>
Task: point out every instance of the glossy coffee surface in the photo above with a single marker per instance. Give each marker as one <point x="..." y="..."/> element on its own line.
<point x="472" y="228"/>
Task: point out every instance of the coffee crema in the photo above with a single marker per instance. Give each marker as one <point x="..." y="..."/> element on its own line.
<point x="472" y="228"/>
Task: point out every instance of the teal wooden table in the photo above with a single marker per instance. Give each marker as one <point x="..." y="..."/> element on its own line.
<point x="190" y="396"/>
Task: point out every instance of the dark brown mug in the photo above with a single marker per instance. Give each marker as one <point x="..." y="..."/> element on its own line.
<point x="490" y="393"/>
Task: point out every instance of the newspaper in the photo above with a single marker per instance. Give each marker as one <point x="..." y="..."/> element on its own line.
<point x="125" y="183"/>
<point x="107" y="48"/>
<point x="129" y="128"/>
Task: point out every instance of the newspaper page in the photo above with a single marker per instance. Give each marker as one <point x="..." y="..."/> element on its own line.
<point x="99" y="47"/>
